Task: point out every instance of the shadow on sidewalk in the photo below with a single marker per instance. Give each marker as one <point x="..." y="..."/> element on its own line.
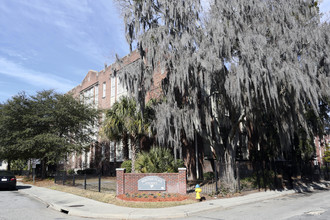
<point x="17" y="188"/>
<point x="23" y="187"/>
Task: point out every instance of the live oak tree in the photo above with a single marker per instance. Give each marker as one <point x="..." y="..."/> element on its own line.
<point x="46" y="126"/>
<point x="230" y="66"/>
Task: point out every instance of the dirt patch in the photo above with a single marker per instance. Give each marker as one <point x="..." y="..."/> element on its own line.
<point x="152" y="197"/>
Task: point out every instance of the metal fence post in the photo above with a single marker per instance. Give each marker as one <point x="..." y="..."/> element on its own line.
<point x="34" y="174"/>
<point x="238" y="178"/>
<point x="63" y="178"/>
<point x="275" y="174"/>
<point x="216" y="177"/>
<point x="258" y="174"/>
<point x="85" y="181"/>
<point x="99" y="182"/>
<point x="73" y="180"/>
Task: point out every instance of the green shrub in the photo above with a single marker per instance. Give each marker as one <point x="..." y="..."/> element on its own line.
<point x="264" y="180"/>
<point x="157" y="160"/>
<point x="208" y="176"/>
<point x="127" y="164"/>
<point x="71" y="171"/>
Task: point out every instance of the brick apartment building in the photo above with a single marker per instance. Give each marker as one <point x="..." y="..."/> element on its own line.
<point x="101" y="90"/>
<point x="320" y="147"/>
<point x="3" y="165"/>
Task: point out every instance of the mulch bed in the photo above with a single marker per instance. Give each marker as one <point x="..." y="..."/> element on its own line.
<point x="142" y="197"/>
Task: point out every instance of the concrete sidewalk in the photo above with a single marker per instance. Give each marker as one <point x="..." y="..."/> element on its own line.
<point x="84" y="207"/>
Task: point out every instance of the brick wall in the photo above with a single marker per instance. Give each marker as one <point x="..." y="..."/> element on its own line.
<point x="97" y="78"/>
<point x="174" y="182"/>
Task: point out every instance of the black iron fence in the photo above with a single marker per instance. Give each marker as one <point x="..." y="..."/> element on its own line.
<point x="21" y="172"/>
<point x="91" y="182"/>
<point x="214" y="183"/>
<point x="249" y="176"/>
<point x="325" y="171"/>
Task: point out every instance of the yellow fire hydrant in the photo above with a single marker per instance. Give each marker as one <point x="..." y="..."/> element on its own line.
<point x="198" y="190"/>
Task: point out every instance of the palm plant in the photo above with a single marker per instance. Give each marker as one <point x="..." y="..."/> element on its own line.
<point x="114" y="127"/>
<point x="137" y="125"/>
<point x="157" y="160"/>
<point x="123" y="121"/>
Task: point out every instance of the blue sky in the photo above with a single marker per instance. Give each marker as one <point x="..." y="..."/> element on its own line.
<point x="52" y="44"/>
<point x="48" y="44"/>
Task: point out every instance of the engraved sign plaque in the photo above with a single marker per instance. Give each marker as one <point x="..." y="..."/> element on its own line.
<point x="151" y="183"/>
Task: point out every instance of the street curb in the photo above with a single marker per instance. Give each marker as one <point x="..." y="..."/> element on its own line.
<point x="170" y="212"/>
<point x="35" y="197"/>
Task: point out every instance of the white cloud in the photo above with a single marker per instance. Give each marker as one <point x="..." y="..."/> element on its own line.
<point x="35" y="78"/>
<point x="18" y="54"/>
<point x="84" y="26"/>
<point x="63" y="37"/>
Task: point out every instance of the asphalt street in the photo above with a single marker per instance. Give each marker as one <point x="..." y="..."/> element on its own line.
<point x="307" y="205"/>
<point x="15" y="205"/>
<point x="18" y="204"/>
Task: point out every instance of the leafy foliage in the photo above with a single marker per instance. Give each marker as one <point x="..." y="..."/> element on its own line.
<point x="157" y="160"/>
<point x="114" y="125"/>
<point x="208" y="176"/>
<point x="123" y="120"/>
<point x="45" y="126"/>
<point x="327" y="154"/>
<point x="127" y="164"/>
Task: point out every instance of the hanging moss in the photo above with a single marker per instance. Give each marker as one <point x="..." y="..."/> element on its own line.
<point x="229" y="62"/>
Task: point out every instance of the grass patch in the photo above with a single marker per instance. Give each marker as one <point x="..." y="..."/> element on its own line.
<point x="111" y="198"/>
<point x="37" y="182"/>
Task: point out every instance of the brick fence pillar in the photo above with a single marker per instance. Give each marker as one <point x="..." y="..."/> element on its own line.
<point x="120" y="181"/>
<point x="182" y="180"/>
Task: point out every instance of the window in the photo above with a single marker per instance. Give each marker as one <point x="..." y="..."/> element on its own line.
<point x="103" y="117"/>
<point x="96" y="97"/>
<point x="104" y="89"/>
<point x="119" y="151"/>
<point x="90" y="96"/>
<point x="113" y="90"/>
<point x="120" y="89"/>
<point x="112" y="150"/>
<point x="113" y="87"/>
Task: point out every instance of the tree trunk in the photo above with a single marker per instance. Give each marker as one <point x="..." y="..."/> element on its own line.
<point x="227" y="161"/>
<point x="8" y="166"/>
<point x="115" y="154"/>
<point x="92" y="157"/>
<point x="125" y="147"/>
<point x="227" y="169"/>
<point x="134" y="141"/>
<point x="190" y="158"/>
<point x="43" y="168"/>
<point x="133" y="144"/>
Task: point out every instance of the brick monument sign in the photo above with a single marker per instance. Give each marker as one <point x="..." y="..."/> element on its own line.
<point x="155" y="182"/>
